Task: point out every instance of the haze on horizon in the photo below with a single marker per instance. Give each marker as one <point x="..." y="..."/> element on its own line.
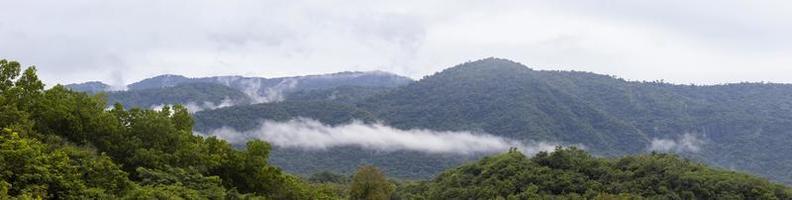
<point x="120" y="42"/>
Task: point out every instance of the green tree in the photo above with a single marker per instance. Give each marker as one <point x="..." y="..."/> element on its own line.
<point x="369" y="183"/>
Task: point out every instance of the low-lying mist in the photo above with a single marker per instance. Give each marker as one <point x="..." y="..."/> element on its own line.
<point x="194" y="107"/>
<point x="685" y="143"/>
<point x="311" y="134"/>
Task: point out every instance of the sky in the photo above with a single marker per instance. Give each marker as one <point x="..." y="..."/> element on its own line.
<point x="123" y="41"/>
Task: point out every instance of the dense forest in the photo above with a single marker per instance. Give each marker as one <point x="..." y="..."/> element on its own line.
<point x="741" y="126"/>
<point x="60" y="144"/>
<point x="574" y="174"/>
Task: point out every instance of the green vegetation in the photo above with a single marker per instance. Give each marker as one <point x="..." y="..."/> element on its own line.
<point x="745" y="126"/>
<point x="343" y="94"/>
<point x="195" y="93"/>
<point x="247" y="117"/>
<point x="60" y="144"/>
<point x="573" y="174"/>
<point x="370" y="184"/>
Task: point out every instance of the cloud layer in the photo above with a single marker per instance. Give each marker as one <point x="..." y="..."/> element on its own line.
<point x="313" y="135"/>
<point x="124" y="41"/>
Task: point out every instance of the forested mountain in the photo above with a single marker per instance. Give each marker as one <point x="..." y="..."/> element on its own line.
<point x="309" y="82"/>
<point x="197" y="96"/>
<point x="61" y="144"/>
<point x="743" y="126"/>
<point x="91" y="87"/>
<point x="223" y="91"/>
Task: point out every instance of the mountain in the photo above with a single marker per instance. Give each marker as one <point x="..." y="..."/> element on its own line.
<point x="90" y="87"/>
<point x="742" y="126"/>
<point x="574" y="174"/>
<point x="275" y="89"/>
<point x="196" y="96"/>
<point x="508" y="99"/>
<point x="161" y="81"/>
<point x="222" y="91"/>
<point x="57" y="143"/>
<point x="247" y="117"/>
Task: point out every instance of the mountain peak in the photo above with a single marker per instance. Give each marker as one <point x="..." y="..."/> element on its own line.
<point x="161" y="81"/>
<point x="487" y="67"/>
<point x="91" y="87"/>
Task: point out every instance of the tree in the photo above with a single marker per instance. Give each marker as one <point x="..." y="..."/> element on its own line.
<point x="369" y="183"/>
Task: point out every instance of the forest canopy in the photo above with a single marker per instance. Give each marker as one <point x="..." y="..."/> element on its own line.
<point x="60" y="144"/>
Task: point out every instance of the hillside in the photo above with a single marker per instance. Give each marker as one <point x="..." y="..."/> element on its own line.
<point x="222" y="91"/>
<point x="743" y="126"/>
<point x="61" y="144"/>
<point x="247" y="117"/>
<point x="574" y="174"/>
<point x="504" y="98"/>
<point x="196" y="96"/>
<point x="91" y="87"/>
<point x="740" y="126"/>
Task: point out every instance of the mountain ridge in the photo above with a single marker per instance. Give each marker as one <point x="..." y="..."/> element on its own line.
<point x="611" y="116"/>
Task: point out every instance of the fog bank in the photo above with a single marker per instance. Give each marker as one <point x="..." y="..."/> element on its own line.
<point x="311" y="134"/>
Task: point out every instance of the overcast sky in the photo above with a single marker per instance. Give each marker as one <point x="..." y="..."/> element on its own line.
<point x="123" y="41"/>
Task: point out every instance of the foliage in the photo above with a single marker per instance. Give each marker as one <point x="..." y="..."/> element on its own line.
<point x="349" y="95"/>
<point x="60" y="144"/>
<point x="369" y="183"/>
<point x="745" y="126"/>
<point x="570" y="173"/>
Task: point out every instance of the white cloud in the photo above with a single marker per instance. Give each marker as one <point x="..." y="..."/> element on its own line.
<point x="687" y="143"/>
<point x="193" y="107"/>
<point x="313" y="135"/>
<point x="124" y="41"/>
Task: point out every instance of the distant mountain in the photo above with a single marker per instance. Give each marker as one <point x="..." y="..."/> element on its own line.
<point x="161" y="81"/>
<point x="262" y="90"/>
<point x="90" y="87"/>
<point x="196" y="96"/>
<point x="505" y="98"/>
<point x="745" y="126"/>
<point x="342" y="94"/>
<point x="223" y="91"/>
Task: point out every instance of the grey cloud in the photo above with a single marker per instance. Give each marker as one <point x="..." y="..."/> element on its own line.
<point x="124" y="41"/>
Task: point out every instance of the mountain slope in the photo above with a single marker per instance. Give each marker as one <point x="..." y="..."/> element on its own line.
<point x="745" y="126"/>
<point x="196" y="96"/>
<point x="740" y="126"/>
<point x="504" y="98"/>
<point x="90" y="87"/>
<point x="262" y="90"/>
